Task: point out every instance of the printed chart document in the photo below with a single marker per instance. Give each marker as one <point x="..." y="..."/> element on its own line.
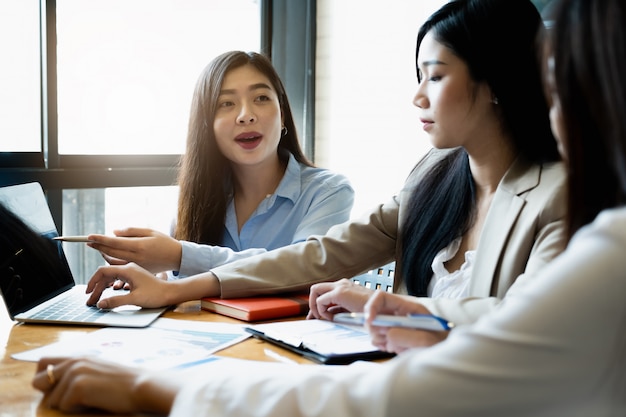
<point x="322" y="341"/>
<point x="167" y="343"/>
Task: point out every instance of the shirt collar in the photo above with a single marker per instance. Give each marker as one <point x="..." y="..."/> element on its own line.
<point x="290" y="186"/>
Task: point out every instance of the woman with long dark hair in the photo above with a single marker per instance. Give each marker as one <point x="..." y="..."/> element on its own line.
<point x="245" y="185"/>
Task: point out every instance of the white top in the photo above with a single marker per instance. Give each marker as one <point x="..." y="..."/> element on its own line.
<point x="556" y="346"/>
<point x="444" y="284"/>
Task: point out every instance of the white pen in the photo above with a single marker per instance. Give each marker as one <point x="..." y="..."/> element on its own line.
<point x="72" y="239"/>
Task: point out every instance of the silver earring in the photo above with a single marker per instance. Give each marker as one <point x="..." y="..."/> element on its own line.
<point x="494" y="100"/>
<point x="284" y="131"/>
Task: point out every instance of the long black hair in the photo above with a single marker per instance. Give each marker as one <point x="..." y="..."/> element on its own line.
<point x="497" y="39"/>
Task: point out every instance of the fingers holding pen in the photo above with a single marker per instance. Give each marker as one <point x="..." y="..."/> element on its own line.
<point x="398" y="339"/>
<point x="149" y="248"/>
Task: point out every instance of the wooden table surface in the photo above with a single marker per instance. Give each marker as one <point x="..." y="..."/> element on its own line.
<point x="19" y="399"/>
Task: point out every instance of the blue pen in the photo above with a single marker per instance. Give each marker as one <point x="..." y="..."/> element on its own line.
<point x="411" y="321"/>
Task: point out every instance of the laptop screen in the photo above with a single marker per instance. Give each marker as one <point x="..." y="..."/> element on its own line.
<point x="33" y="267"/>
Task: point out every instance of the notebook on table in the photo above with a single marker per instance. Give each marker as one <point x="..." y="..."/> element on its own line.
<point x="260" y="307"/>
<point x="55" y="297"/>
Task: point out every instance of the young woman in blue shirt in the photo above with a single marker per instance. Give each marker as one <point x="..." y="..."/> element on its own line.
<point x="246" y="186"/>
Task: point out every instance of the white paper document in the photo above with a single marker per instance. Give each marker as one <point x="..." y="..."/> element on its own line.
<point x="321" y="336"/>
<point x="167" y="343"/>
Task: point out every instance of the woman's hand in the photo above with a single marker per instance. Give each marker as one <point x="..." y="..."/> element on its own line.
<point x="146" y="290"/>
<point x="76" y="385"/>
<point x="148" y="248"/>
<point x="396" y="339"/>
<point x="329" y="298"/>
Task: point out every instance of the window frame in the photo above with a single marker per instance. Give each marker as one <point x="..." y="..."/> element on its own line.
<point x="284" y="38"/>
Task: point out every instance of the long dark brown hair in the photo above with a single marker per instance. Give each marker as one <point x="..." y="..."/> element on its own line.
<point x="205" y="177"/>
<point x="587" y="45"/>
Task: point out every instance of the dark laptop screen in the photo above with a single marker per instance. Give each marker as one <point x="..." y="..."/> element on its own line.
<point x="33" y="267"/>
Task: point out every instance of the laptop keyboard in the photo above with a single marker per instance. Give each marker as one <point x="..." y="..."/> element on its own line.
<point x="72" y="307"/>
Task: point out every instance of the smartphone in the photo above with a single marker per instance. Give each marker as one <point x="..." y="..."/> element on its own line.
<point x="411" y="321"/>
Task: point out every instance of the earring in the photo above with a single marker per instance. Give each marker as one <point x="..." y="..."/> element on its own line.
<point x="283" y="131"/>
<point x="494" y="100"/>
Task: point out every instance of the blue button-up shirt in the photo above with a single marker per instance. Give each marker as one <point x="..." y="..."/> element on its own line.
<point x="308" y="201"/>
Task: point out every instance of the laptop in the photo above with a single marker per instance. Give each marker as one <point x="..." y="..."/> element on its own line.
<point x="53" y="297"/>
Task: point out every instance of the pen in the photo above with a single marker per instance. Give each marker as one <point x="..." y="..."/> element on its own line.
<point x="72" y="238"/>
<point x="411" y="321"/>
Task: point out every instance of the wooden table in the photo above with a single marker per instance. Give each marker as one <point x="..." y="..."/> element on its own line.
<point x="19" y="399"/>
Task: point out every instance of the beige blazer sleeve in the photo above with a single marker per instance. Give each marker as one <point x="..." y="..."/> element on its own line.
<point x="346" y="250"/>
<point x="524" y="230"/>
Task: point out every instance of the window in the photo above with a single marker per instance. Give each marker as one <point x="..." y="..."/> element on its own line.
<point x="103" y="210"/>
<point x="125" y="77"/>
<point x="98" y="114"/>
<point x="127" y="68"/>
<point x="366" y="124"/>
<point x="99" y="94"/>
<point x="20" y="77"/>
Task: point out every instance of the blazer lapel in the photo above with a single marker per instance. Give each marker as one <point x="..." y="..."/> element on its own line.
<point x="505" y="208"/>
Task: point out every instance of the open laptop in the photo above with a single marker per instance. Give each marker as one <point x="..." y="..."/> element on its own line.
<point x="55" y="299"/>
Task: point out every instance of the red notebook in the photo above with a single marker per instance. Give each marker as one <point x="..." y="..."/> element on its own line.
<point x="258" y="308"/>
